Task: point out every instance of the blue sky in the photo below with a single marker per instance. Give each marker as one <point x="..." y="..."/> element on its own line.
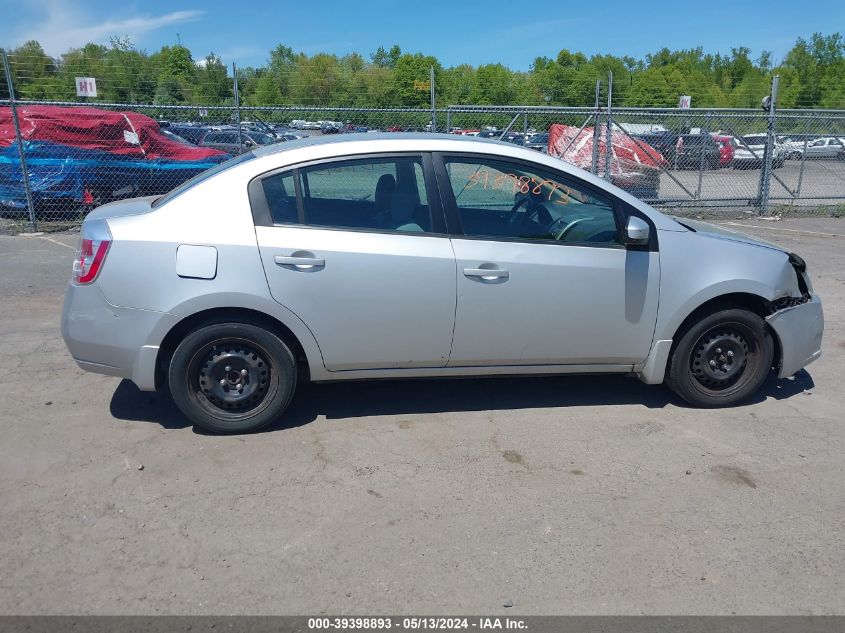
<point x="513" y="33"/>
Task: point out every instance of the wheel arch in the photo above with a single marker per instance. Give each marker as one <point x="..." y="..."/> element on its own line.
<point x="654" y="369"/>
<point x="221" y="314"/>
<point x="753" y="303"/>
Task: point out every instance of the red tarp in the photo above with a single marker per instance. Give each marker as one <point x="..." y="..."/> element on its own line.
<point x="628" y="160"/>
<point x="123" y="133"/>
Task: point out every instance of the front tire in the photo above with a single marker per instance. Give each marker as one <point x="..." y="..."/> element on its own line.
<point x="232" y="377"/>
<point x="722" y="359"/>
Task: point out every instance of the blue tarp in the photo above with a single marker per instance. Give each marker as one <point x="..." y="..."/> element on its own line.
<point x="63" y="173"/>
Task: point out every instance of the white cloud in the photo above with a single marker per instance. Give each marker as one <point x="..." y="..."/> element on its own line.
<point x="64" y="25"/>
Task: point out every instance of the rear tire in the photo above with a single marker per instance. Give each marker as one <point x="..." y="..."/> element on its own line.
<point x="232" y="377"/>
<point x="721" y="359"/>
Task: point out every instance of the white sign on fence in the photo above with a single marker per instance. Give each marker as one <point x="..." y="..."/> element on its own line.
<point x="86" y="87"/>
<point x="203" y="112"/>
<point x="685" y="102"/>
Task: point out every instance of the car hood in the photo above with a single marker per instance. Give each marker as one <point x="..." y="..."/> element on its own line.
<point x="715" y="231"/>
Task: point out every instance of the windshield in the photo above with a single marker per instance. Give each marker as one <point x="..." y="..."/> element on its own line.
<point x="201" y="177"/>
<point x="176" y="138"/>
<point x="262" y="139"/>
<point x="754" y="140"/>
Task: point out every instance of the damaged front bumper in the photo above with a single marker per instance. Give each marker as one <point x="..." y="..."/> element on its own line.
<point x="799" y="330"/>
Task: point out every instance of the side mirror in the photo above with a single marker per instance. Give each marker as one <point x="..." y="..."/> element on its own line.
<point x="248" y="143"/>
<point x="636" y="231"/>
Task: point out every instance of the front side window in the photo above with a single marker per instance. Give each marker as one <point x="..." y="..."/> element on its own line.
<point x="372" y="193"/>
<point x="509" y="200"/>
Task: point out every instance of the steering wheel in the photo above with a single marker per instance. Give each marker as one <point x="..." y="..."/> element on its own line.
<point x="535" y="211"/>
<point x="517" y="217"/>
<point x="568" y="227"/>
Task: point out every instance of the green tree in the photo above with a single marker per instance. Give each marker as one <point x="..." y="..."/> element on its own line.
<point x="32" y="71"/>
<point x="267" y="91"/>
<point x="213" y="85"/>
<point x="412" y="71"/>
<point x="386" y="59"/>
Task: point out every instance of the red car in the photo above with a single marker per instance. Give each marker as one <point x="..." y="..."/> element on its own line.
<point x="727" y="144"/>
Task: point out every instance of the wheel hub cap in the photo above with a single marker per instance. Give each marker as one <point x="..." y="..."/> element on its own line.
<point x="719" y="358"/>
<point x="234" y="377"/>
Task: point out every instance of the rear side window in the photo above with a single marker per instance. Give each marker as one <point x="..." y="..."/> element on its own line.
<point x="280" y="193"/>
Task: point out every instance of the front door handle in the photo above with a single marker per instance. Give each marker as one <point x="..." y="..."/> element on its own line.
<point x="300" y="262"/>
<point x="487" y="274"/>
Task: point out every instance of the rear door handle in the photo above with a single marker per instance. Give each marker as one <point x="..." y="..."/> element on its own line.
<point x="486" y="273"/>
<point x="300" y="262"/>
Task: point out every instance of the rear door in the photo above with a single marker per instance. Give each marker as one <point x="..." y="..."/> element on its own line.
<point x="357" y="249"/>
<point x="542" y="275"/>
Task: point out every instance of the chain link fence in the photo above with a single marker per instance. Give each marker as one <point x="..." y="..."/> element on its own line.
<point x="59" y="160"/>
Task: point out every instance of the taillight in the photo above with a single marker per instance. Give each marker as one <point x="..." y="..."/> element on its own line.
<point x="94" y="241"/>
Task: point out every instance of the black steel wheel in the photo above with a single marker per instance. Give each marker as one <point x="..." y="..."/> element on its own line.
<point x="721" y="359"/>
<point x="232" y="377"/>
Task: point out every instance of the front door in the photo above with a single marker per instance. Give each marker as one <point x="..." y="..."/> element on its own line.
<point x="542" y="275"/>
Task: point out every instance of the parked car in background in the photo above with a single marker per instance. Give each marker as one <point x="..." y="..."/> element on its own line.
<point x="663" y="141"/>
<point x="330" y="127"/>
<point x="227" y="140"/>
<point x="175" y="137"/>
<point x="827" y="147"/>
<point x="298" y="124"/>
<point x="191" y="133"/>
<point x="79" y="157"/>
<point x="332" y="259"/>
<point x="795" y="144"/>
<point x="288" y="133"/>
<point x="517" y="138"/>
<point x="489" y="133"/>
<point x="751" y="149"/>
<point x="539" y="142"/>
<point x="693" y="151"/>
<point x="727" y="147"/>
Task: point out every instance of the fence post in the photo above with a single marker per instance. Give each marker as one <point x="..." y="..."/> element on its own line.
<point x="797" y="192"/>
<point x="595" y="164"/>
<point x="19" y="139"/>
<point x="768" y="154"/>
<point x="237" y="107"/>
<point x="608" y="144"/>
<point x="433" y="106"/>
<point x="701" y="158"/>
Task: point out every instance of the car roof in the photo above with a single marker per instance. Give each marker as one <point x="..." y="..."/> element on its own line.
<point x="283" y="155"/>
<point x="377" y="138"/>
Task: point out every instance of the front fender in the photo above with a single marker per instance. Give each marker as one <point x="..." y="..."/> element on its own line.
<point x="697" y="269"/>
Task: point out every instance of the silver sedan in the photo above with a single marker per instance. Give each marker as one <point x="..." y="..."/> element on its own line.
<point x="398" y="255"/>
